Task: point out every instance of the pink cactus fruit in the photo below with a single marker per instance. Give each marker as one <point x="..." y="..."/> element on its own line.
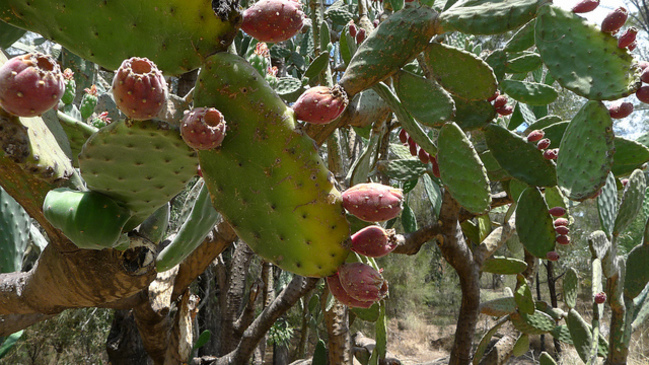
<point x="562" y="230"/>
<point x="620" y="109"/>
<point x="551" y="154"/>
<point x="337" y="290"/>
<point x="645" y="75"/>
<point x="352" y="29"/>
<point x="563" y="239"/>
<point x="403" y="136"/>
<point x="424" y="157"/>
<point x="203" y="128"/>
<point x="500" y="101"/>
<point x="362" y="282"/>
<point x="494" y="96"/>
<point x="627" y="38"/>
<point x="600" y="298"/>
<point x="614" y="20"/>
<point x="585" y="6"/>
<point x="414" y="149"/>
<point x="632" y="46"/>
<point x="30" y="84"/>
<point x="374" y="241"/>
<point x="321" y="104"/>
<point x="552" y="256"/>
<point x="273" y="20"/>
<point x="561" y="222"/>
<point x="543" y="144"/>
<point x="535" y="135"/>
<point x="436" y="173"/>
<point x="557" y="212"/>
<point x="373" y="202"/>
<point x="643" y="65"/>
<point x="624" y="182"/>
<point x="139" y="89"/>
<point x="643" y="94"/>
<point x="360" y="36"/>
<point x="505" y="110"/>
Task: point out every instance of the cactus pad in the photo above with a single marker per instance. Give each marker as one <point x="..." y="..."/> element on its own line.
<point x="498" y="307"/>
<point x="425" y="99"/>
<point x="537" y="323"/>
<point x="637" y="271"/>
<point x="586" y="152"/>
<point x="631" y="205"/>
<point x="581" y="334"/>
<point x="480" y="17"/>
<point x="522" y="39"/>
<point x="629" y="155"/>
<point x="583" y="59"/>
<point x="14" y="233"/>
<point x="533" y="223"/>
<point x="141" y="165"/>
<point x="607" y="205"/>
<point x="531" y="93"/>
<point x="570" y="288"/>
<point x="504" y="266"/>
<point x="473" y="114"/>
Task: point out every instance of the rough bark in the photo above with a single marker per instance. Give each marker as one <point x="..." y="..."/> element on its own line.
<point x="339" y="346"/>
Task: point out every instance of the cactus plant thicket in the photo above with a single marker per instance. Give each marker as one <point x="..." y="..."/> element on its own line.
<point x="279" y="178"/>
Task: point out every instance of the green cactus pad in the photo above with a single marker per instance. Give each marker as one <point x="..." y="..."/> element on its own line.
<point x="544" y="122"/>
<point x="534" y="224"/>
<point x="462" y="171"/>
<point x="155" y="226"/>
<point x="599" y="244"/>
<point x="89" y="219"/>
<point x="554" y="198"/>
<point x="631" y="205"/>
<point x="494" y="171"/>
<point x="460" y="72"/>
<point x="527" y="62"/>
<point x="176" y="35"/>
<point x="570" y="288"/>
<point x="289" y="88"/>
<point x="523" y="296"/>
<point x="497" y="60"/>
<point x="537" y="323"/>
<point x="425" y="99"/>
<point x="521" y="346"/>
<point x="402" y="169"/>
<point x="78" y="133"/>
<point x="288" y="210"/>
<point x="580" y="333"/>
<point x="482" y="17"/>
<point x="498" y="307"/>
<point x="531" y="93"/>
<point x="14" y="233"/>
<point x="473" y="114"/>
<point x="586" y="152"/>
<point x="142" y="165"/>
<point x="9" y="34"/>
<point x="504" y="265"/>
<point x="546" y="359"/>
<point x="519" y="158"/>
<point x="522" y="39"/>
<point x="582" y="58"/>
<point x="555" y="132"/>
<point x="380" y="55"/>
<point x="629" y="155"/>
<point x="607" y="205"/>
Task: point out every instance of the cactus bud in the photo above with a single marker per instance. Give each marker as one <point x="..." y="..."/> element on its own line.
<point x="494" y="96"/>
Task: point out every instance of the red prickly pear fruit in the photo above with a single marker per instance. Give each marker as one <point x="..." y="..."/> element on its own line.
<point x="337" y="290"/>
<point x="414" y="149"/>
<point x="353" y="30"/>
<point x="500" y="101"/>
<point x="552" y="256"/>
<point x="643" y="94"/>
<point x="375" y="23"/>
<point x="645" y="75"/>
<point x="627" y="37"/>
<point x="30" y="84"/>
<point x="614" y="20"/>
<point x="563" y="239"/>
<point x="203" y="128"/>
<point x="620" y="110"/>
<point x="360" y="36"/>
<point x="362" y="282"/>
<point x="561" y="222"/>
<point x="374" y="241"/>
<point x="273" y="20"/>
<point x="543" y="144"/>
<point x="535" y="135"/>
<point x="403" y="136"/>
<point x="494" y="96"/>
<point x="552" y="154"/>
<point x="505" y="110"/>
<point x="624" y="182"/>
<point x="435" y="167"/>
<point x="557" y="212"/>
<point x="199" y="171"/>
<point x="600" y="298"/>
<point x="562" y="230"/>
<point x="585" y="6"/>
<point x="643" y="65"/>
<point x="139" y="89"/>
<point x="632" y="46"/>
<point x="424" y="157"/>
<point x="321" y="104"/>
<point x="373" y="202"/>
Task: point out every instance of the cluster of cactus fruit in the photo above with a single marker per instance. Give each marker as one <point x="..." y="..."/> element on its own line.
<point x="262" y="174"/>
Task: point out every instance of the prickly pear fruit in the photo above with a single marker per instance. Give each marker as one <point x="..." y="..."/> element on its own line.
<point x="139" y="88"/>
<point x="273" y="20"/>
<point x="373" y="202"/>
<point x="414" y="149"/>
<point x="600" y="298"/>
<point x="535" y="135"/>
<point x="101" y="120"/>
<point x="88" y="102"/>
<point x="500" y="101"/>
<point x="552" y="154"/>
<point x="552" y="256"/>
<point x="403" y="136"/>
<point x="362" y="282"/>
<point x="321" y="104"/>
<point x="374" y="241"/>
<point x="203" y="128"/>
<point x="543" y="144"/>
<point x="563" y="239"/>
<point x="557" y="212"/>
<point x="360" y="36"/>
<point x="627" y="38"/>
<point x="624" y="182"/>
<point x="30" y="84"/>
<point x="70" y="87"/>
<point x="435" y="167"/>
<point x="561" y="222"/>
<point x="632" y="46"/>
<point x="424" y="157"/>
<point x="614" y="20"/>
<point x="337" y="290"/>
<point x="505" y="110"/>
<point x="620" y="110"/>
<point x="645" y="75"/>
<point x="494" y="96"/>
<point x="562" y="230"/>
<point x="353" y="30"/>
<point x="643" y="94"/>
<point x="585" y="6"/>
